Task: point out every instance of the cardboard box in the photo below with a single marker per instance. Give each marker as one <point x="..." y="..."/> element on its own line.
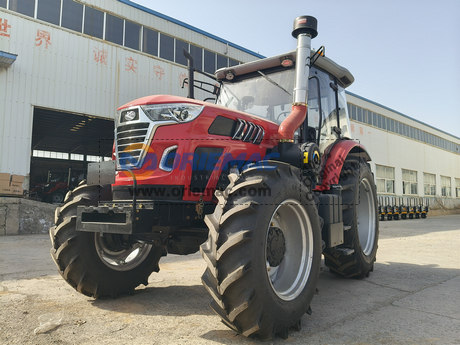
<point x="5" y="177"/>
<point x="5" y="183"/>
<point x="16" y="181"/>
<point x="5" y="188"/>
<point x="11" y="184"/>
<point x="16" y="190"/>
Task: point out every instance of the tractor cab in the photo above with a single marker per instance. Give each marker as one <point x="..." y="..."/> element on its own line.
<point x="264" y="89"/>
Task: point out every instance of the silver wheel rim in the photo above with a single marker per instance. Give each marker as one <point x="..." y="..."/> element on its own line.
<point x="289" y="278"/>
<point x="366" y="217"/>
<point x="121" y="260"/>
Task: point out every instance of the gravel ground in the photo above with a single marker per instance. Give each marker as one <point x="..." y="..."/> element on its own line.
<point x="412" y="297"/>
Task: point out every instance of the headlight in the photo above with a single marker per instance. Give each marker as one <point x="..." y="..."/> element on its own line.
<point x="179" y="112"/>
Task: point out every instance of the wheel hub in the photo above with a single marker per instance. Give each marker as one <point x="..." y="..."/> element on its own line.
<point x="276" y="246"/>
<point x="119" y="256"/>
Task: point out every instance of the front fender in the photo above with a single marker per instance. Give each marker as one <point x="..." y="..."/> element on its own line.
<point x="332" y="162"/>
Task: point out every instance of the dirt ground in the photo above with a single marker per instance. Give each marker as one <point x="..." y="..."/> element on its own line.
<point x="412" y="297"/>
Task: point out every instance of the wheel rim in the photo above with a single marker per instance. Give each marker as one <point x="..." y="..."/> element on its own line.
<point x="366" y="217"/>
<point x="120" y="259"/>
<point x="57" y="198"/>
<point x="288" y="278"/>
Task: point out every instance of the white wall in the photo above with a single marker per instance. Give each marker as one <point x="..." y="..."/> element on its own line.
<point x="394" y="150"/>
<point x="68" y="75"/>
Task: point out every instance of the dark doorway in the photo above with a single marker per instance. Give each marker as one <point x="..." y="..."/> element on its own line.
<point x="62" y="145"/>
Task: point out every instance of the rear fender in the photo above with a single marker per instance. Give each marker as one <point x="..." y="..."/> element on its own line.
<point x="332" y="162"/>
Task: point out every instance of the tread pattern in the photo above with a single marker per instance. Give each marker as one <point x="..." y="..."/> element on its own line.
<point x="347" y="260"/>
<point x="75" y="255"/>
<point x="229" y="276"/>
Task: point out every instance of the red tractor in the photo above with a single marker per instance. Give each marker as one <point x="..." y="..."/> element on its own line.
<point x="255" y="182"/>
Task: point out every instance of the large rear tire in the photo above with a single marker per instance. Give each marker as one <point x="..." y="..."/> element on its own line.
<point x="263" y="252"/>
<point x="356" y="256"/>
<point x="96" y="265"/>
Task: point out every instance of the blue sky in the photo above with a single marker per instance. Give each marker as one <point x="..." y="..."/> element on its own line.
<point x="403" y="54"/>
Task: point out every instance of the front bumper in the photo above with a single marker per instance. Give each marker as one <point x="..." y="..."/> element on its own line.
<point x="160" y="217"/>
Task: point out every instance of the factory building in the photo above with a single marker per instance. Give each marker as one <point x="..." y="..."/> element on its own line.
<point x="66" y="66"/>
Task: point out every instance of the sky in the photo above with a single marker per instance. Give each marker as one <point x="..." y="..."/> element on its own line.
<point x="404" y="54"/>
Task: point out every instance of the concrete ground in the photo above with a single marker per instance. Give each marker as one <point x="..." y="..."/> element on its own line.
<point x="412" y="297"/>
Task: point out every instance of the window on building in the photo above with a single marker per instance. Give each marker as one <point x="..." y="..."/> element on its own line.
<point x="379" y="121"/>
<point x="3" y="3"/>
<point x="457" y="188"/>
<point x="150" y="44"/>
<point x="222" y="61"/>
<point x="72" y="15"/>
<point x="429" y="181"/>
<point x="409" y="182"/>
<point x="197" y="54"/>
<point x="352" y="111"/>
<point x="364" y="111"/>
<point x="132" y="35"/>
<point x="167" y="47"/>
<point x="370" y="118"/>
<point x="49" y="11"/>
<point x="50" y="154"/>
<point x="26" y="7"/>
<point x="113" y="29"/>
<point x="180" y="58"/>
<point x="446" y="187"/>
<point x="209" y="61"/>
<point x="76" y="157"/>
<point x="94" y="22"/>
<point x="385" y="179"/>
<point x="232" y="62"/>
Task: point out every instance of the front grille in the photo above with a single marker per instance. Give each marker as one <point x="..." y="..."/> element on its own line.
<point x="249" y="132"/>
<point x="132" y="141"/>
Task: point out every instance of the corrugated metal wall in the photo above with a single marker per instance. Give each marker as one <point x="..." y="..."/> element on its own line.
<point x="60" y="69"/>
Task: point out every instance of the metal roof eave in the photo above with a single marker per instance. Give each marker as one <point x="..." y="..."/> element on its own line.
<point x="401" y="114"/>
<point x="7" y="59"/>
<point x="190" y="27"/>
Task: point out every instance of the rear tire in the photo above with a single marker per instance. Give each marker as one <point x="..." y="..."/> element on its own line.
<point x="359" y="199"/>
<point x="263" y="252"/>
<point x="97" y="265"/>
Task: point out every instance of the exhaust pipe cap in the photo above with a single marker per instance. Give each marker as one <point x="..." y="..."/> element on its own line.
<point x="305" y="25"/>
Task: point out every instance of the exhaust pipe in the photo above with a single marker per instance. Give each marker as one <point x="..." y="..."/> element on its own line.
<point x="305" y="28"/>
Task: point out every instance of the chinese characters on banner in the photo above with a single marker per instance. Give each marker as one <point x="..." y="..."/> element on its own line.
<point x="100" y="55"/>
<point x="159" y="72"/>
<point x="4" y="27"/>
<point x="43" y="37"/>
<point x="131" y="64"/>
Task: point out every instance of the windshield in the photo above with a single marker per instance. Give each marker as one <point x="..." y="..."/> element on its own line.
<point x="269" y="96"/>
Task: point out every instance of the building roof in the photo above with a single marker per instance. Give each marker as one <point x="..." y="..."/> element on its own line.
<point x="401" y="114"/>
<point x="190" y="27"/>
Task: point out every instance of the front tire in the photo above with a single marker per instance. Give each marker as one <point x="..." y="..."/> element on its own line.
<point x="96" y="265"/>
<point x="356" y="256"/>
<point x="263" y="252"/>
<point x="57" y="197"/>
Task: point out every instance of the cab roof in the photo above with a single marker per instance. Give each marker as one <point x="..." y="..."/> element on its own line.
<point x="344" y="77"/>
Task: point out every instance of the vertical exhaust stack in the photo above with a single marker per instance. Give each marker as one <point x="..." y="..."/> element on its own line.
<point x="305" y="28"/>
